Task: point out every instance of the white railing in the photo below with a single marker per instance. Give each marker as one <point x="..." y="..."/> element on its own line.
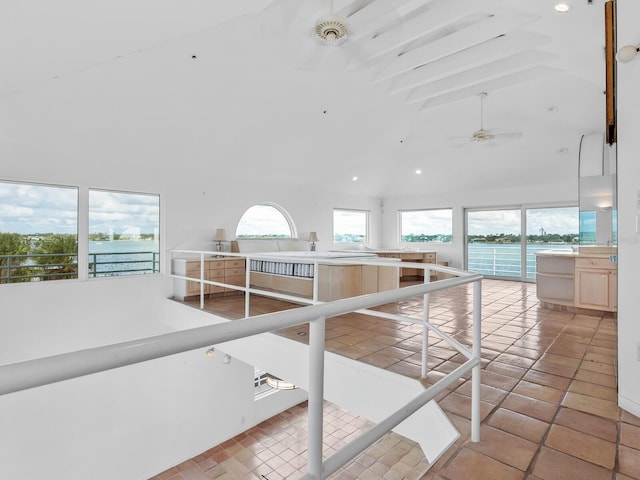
<point x="33" y="373"/>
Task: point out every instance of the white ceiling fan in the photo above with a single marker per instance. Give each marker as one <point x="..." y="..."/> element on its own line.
<point x="483" y="135"/>
<point x="312" y="35"/>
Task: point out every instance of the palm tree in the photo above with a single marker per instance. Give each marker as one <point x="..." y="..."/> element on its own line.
<point x="12" y="244"/>
<point x="64" y="265"/>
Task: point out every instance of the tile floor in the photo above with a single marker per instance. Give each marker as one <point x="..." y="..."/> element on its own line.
<point x="548" y="392"/>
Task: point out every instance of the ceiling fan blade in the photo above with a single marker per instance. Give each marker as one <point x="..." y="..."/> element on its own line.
<point x="506" y="134"/>
<point x="468" y="141"/>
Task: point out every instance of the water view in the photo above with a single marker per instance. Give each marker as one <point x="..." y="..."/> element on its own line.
<point x="123" y="257"/>
<point x="504" y="260"/>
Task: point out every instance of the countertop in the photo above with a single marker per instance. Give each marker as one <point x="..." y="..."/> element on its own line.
<point x="582" y="252"/>
<point x="383" y="250"/>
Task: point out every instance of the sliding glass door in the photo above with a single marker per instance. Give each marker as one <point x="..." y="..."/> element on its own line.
<point x="503" y="242"/>
<point x="555" y="228"/>
<point x="493" y="242"/>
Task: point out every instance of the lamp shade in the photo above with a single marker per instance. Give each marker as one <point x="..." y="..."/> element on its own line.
<point x="313" y="237"/>
<point x="220" y="235"/>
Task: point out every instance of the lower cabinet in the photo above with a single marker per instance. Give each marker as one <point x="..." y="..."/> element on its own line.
<point x="416" y="257"/>
<point x="343" y="281"/>
<point x="595" y="284"/>
<point x="216" y="269"/>
<point x="586" y="282"/>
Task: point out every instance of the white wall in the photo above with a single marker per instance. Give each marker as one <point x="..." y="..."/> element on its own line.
<point x="130" y="423"/>
<point x="628" y="198"/>
<point x="134" y="422"/>
<point x="536" y="195"/>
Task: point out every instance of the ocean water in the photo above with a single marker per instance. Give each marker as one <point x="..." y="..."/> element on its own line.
<point x="504" y="260"/>
<point x="123" y="257"/>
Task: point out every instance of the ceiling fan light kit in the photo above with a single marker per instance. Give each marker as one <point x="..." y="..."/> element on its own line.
<point x="332" y="29"/>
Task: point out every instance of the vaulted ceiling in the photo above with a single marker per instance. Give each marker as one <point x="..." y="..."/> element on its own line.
<point x="208" y="85"/>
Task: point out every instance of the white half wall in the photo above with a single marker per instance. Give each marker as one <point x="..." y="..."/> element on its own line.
<point x="129" y="423"/>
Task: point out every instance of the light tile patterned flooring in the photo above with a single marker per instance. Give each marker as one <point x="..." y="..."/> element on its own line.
<point x="548" y="392"/>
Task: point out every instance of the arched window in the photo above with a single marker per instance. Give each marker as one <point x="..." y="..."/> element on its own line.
<point x="265" y="221"/>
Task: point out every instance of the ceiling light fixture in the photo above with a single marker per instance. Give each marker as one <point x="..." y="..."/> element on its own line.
<point x="332" y="29"/>
<point x="562" y="7"/>
<point x="354" y="179"/>
<point x="418" y="172"/>
<point x="279" y="384"/>
<point x="627" y="53"/>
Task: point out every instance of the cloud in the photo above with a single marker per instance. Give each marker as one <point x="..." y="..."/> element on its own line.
<point x="427" y="222"/>
<point x="118" y="212"/>
<point x="30" y="209"/>
<point x="562" y="221"/>
<point x="263" y="220"/>
<point x="27" y="208"/>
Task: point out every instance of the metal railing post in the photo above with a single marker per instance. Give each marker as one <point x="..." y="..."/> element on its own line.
<point x="494" y="261"/>
<point x="247" y="284"/>
<point x="316" y="395"/>
<point x="477" y="354"/>
<point x="425" y="326"/>
<point x="315" y="281"/>
<point x="202" y="284"/>
<point x="9" y="269"/>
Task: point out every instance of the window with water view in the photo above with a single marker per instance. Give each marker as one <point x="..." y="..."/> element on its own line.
<point x="498" y="246"/>
<point x="123" y="233"/>
<point x="350" y="226"/>
<point x="264" y="221"/>
<point x="426" y="226"/>
<point x="38" y="232"/>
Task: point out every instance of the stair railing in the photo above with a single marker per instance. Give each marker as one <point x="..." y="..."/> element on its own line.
<point x="42" y="371"/>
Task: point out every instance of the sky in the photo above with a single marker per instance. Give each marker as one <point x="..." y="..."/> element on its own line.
<point x="554" y="220"/>
<point x="427" y="222"/>
<point x="263" y="220"/>
<point x="28" y="209"/>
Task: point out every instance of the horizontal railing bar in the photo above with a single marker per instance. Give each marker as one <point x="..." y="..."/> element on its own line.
<point x="392" y="263"/>
<point x="463" y="349"/>
<point x="32" y="373"/>
<point x="368" y="438"/>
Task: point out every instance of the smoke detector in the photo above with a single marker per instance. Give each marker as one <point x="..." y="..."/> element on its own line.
<point x="332" y="29"/>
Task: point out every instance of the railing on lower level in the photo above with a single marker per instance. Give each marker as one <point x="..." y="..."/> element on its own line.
<point x="33" y="373"/>
<point x="505" y="260"/>
<point x="38" y="267"/>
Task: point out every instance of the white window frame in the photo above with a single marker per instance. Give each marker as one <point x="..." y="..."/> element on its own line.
<point x="400" y="223"/>
<point x="157" y="232"/>
<point x="281" y="211"/>
<point x="367" y="235"/>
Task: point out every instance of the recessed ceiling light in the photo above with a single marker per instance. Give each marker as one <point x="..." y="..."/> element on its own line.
<point x="418" y="172"/>
<point x="563" y="150"/>
<point x="355" y="179"/>
<point x="562" y="7"/>
<point x="552" y="108"/>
